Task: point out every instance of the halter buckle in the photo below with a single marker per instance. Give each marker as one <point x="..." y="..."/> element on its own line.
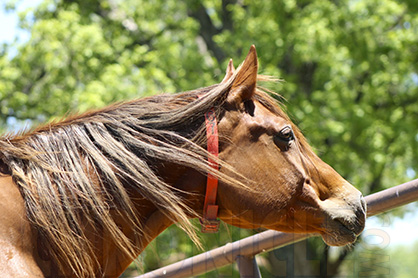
<point x="209" y="226"/>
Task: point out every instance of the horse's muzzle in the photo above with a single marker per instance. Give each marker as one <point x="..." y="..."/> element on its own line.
<point x="344" y="220"/>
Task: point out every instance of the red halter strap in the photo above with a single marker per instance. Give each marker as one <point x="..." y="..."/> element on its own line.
<point x="209" y="221"/>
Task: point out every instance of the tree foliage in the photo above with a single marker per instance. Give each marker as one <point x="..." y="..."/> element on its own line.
<point x="350" y="69"/>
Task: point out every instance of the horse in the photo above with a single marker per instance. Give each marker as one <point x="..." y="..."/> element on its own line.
<point x="84" y="195"/>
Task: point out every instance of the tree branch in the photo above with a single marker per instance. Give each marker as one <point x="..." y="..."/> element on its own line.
<point x="207" y="30"/>
<point x="226" y="16"/>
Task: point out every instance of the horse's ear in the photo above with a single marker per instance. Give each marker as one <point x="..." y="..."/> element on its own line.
<point x="229" y="71"/>
<point x="243" y="87"/>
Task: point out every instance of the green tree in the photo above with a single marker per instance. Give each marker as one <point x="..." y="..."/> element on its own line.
<point x="403" y="261"/>
<point x="350" y="71"/>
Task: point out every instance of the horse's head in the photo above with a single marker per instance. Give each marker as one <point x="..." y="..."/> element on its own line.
<point x="293" y="189"/>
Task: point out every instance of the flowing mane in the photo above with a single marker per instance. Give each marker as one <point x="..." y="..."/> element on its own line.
<point x="57" y="167"/>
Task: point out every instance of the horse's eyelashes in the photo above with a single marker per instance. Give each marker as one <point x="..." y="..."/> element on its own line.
<point x="286" y="134"/>
<point x="284" y="138"/>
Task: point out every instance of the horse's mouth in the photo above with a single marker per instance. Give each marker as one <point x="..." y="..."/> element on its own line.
<point x="343" y="230"/>
<point x="339" y="236"/>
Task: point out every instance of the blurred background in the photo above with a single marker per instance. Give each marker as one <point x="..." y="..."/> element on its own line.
<point x="350" y="71"/>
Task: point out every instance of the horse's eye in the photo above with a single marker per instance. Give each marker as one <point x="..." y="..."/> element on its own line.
<point x="286" y="134"/>
<point x="284" y="138"/>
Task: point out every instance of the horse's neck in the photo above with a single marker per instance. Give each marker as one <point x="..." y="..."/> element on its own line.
<point x="184" y="179"/>
<point x="187" y="180"/>
<point x="19" y="247"/>
<point x="154" y="221"/>
<point x="112" y="261"/>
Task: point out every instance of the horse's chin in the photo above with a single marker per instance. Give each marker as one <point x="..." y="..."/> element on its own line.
<point x="338" y="233"/>
<point x="337" y="239"/>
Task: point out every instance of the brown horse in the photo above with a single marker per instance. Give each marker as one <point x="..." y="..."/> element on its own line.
<point x="84" y="196"/>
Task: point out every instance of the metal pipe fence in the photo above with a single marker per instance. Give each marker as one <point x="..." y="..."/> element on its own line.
<point x="243" y="251"/>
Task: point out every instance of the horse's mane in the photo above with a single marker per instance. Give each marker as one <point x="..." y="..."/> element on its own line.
<point x="80" y="171"/>
<point x="75" y="171"/>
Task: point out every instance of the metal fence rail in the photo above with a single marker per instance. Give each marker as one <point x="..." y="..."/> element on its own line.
<point x="244" y="250"/>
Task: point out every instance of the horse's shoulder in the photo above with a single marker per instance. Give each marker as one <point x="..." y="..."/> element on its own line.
<point x="17" y="248"/>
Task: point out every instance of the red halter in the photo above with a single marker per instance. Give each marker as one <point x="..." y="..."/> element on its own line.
<point x="209" y="221"/>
